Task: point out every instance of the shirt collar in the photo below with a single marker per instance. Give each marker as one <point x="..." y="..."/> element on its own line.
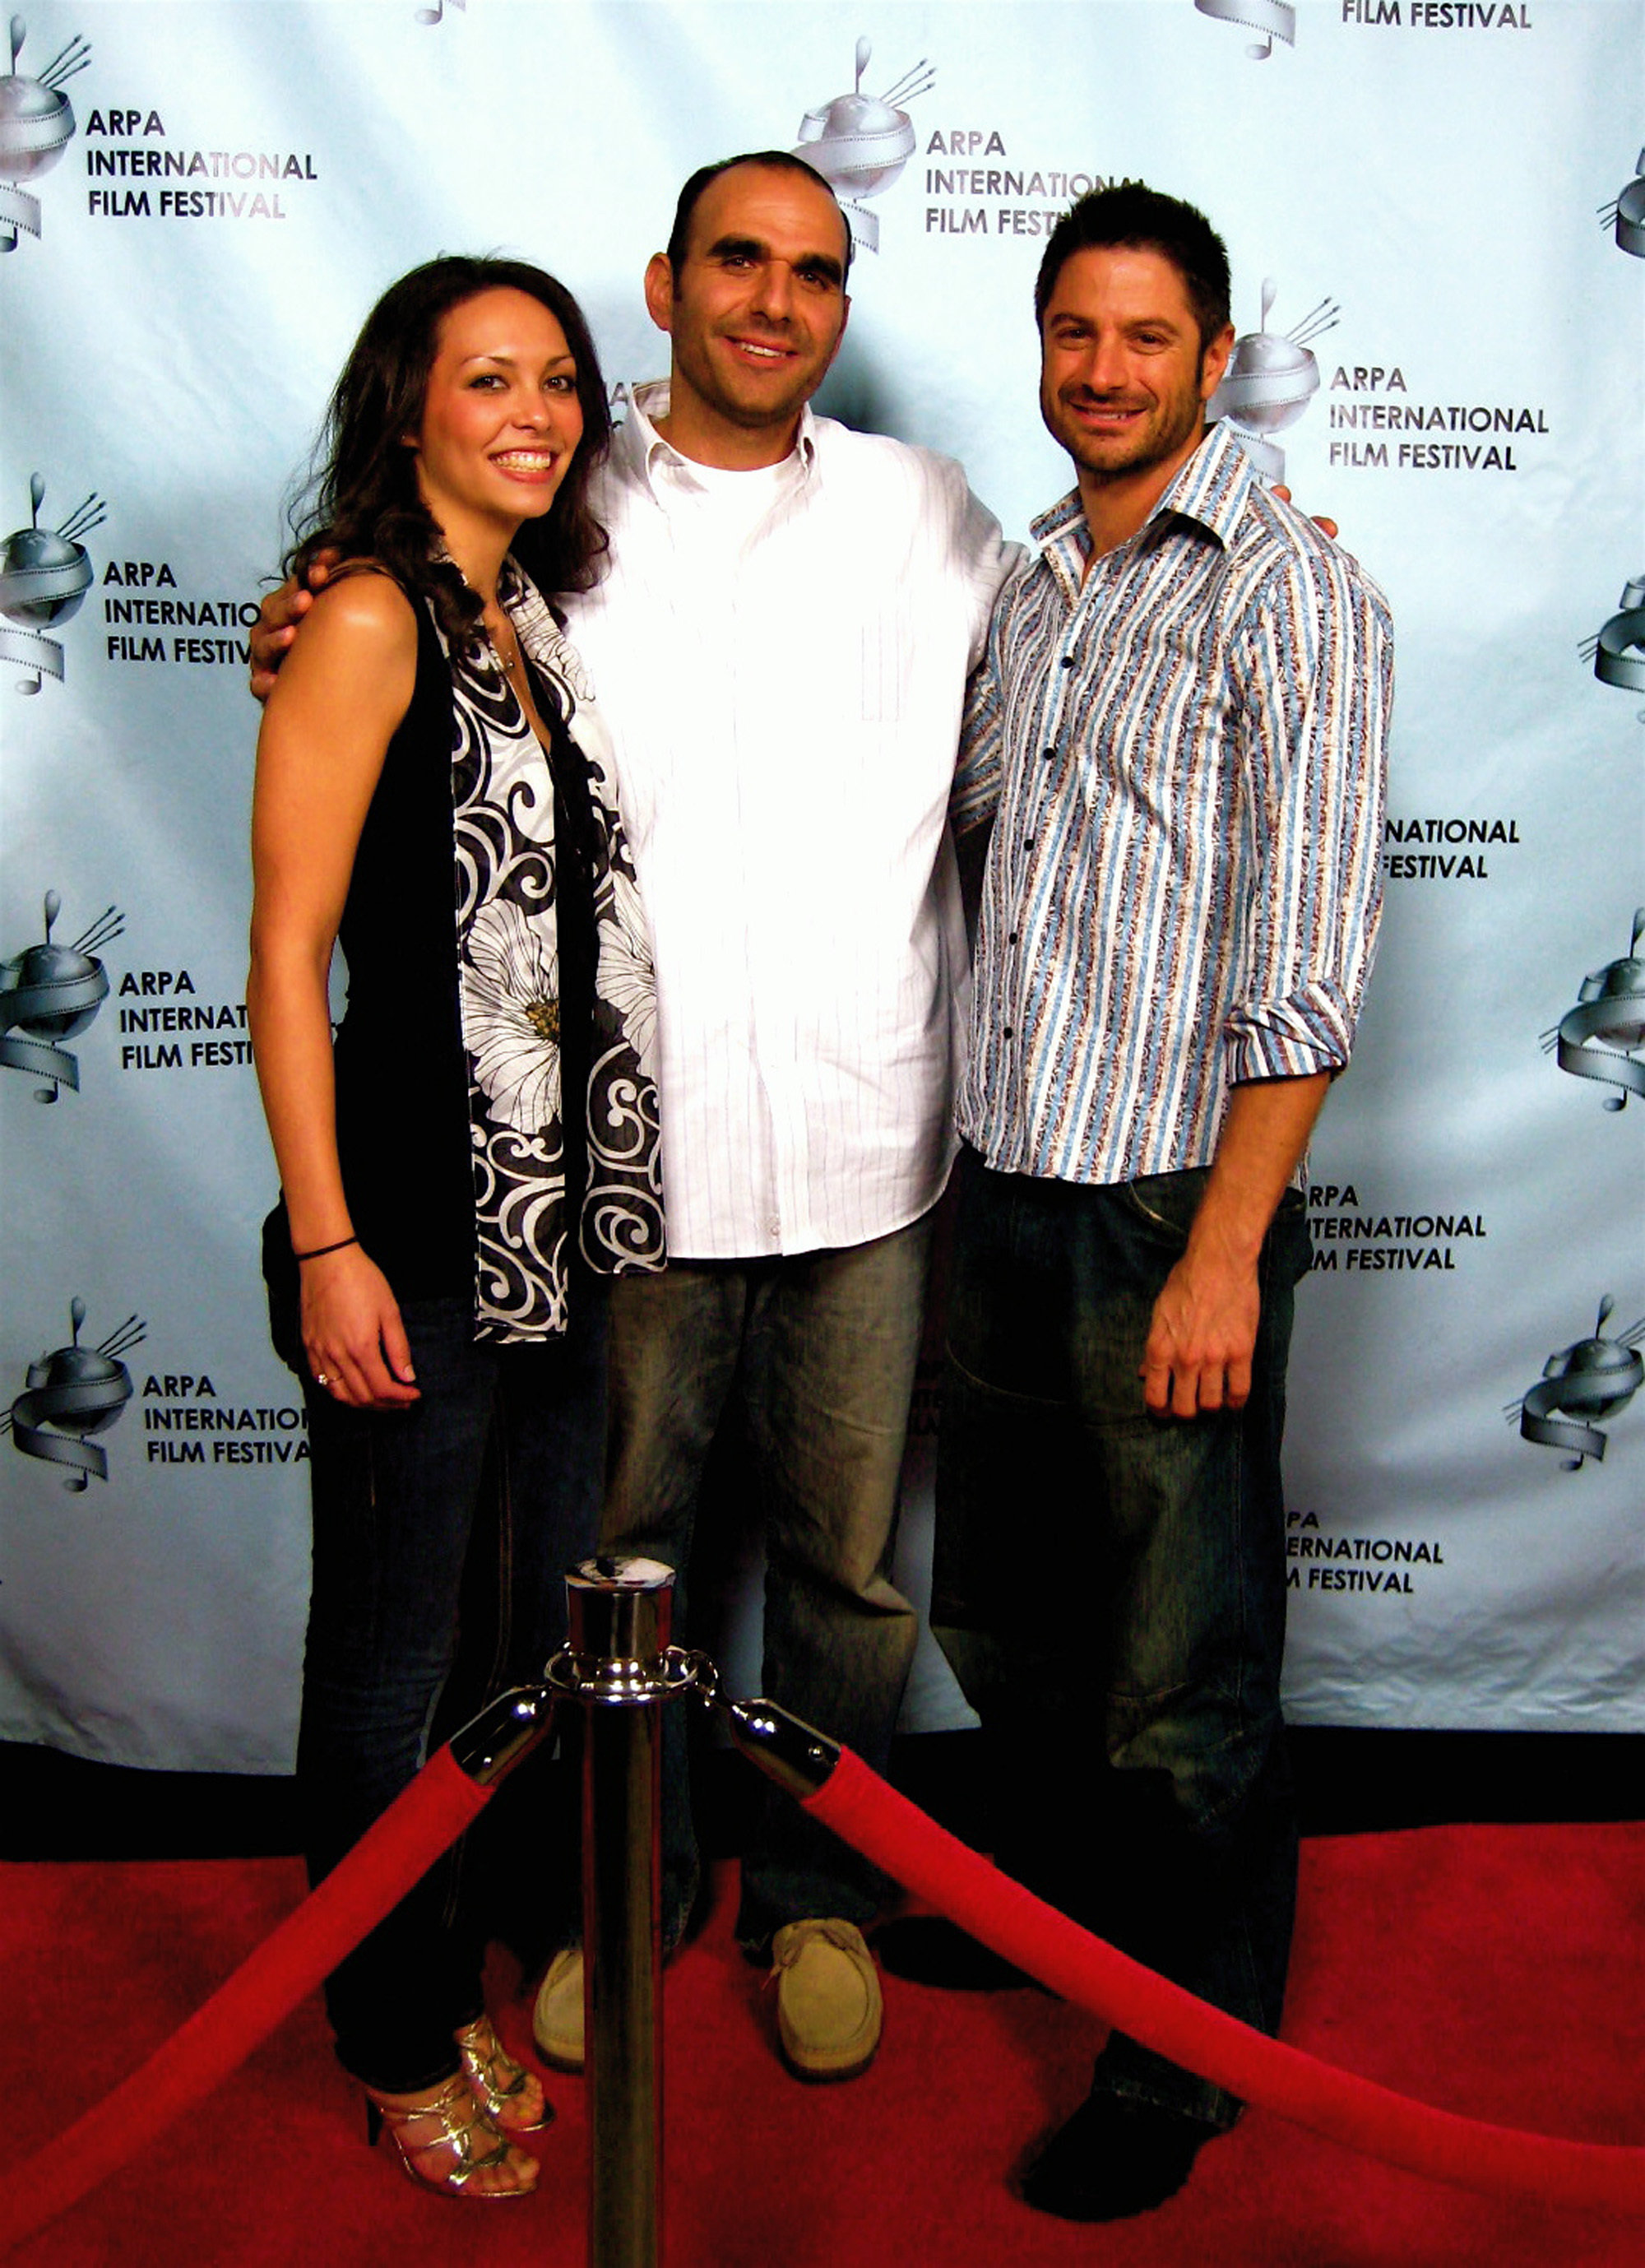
<point x="643" y="449"/>
<point x="1211" y="489"/>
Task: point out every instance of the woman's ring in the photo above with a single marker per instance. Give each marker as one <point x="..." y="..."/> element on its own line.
<point x="320" y="1379"/>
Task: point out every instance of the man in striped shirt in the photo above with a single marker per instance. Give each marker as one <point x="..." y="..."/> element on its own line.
<point x="1178" y="733"/>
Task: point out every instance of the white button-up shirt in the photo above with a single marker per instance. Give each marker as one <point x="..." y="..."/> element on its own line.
<point x="784" y="682"/>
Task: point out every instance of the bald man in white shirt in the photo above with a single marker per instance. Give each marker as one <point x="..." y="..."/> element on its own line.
<point x="782" y="645"/>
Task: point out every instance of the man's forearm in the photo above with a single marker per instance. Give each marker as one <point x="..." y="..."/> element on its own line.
<point x="1204" y="1326"/>
<point x="1264" y="1132"/>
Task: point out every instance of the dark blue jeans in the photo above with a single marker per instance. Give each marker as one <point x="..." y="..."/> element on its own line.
<point x="813" y="1355"/>
<point x="1126" y="1574"/>
<point x="441" y="1535"/>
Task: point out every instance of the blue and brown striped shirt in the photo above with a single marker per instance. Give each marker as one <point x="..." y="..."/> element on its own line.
<point x="1185" y="760"/>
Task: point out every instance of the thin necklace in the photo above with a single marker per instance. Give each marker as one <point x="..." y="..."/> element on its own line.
<point x="509" y="666"/>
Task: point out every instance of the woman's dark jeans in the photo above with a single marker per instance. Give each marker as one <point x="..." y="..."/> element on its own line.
<point x="441" y="1535"/>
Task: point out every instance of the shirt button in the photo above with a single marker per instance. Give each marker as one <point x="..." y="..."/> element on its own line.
<point x="1010" y="1031"/>
<point x="1051" y="755"/>
<point x="1011" y="939"/>
<point x="1067" y="661"/>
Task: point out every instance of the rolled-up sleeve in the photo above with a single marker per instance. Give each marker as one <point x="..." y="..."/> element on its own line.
<point x="1316" y="659"/>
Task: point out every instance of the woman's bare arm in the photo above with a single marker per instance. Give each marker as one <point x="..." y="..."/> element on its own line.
<point x="343" y="689"/>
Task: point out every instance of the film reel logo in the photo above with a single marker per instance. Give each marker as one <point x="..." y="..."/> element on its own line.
<point x="1591" y="1380"/>
<point x="1600" y="1037"/>
<point x="860" y="143"/>
<point x="44" y="574"/>
<point x="1618" y="651"/>
<point x="1272" y="20"/>
<point x="51" y="993"/>
<point x="1625" y="213"/>
<point x="70" y="1394"/>
<point x="1271" y="377"/>
<point x="36" y="127"/>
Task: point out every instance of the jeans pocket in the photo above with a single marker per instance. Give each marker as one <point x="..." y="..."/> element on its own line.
<point x="1163" y="1205"/>
<point x="1290" y="1237"/>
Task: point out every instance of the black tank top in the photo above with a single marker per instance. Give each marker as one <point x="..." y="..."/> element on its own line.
<point x="401" y="1077"/>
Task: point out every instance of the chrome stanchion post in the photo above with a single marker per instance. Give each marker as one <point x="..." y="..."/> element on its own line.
<point x="619" y="1664"/>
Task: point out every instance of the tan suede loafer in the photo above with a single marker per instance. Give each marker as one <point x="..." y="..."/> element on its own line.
<point x="829" y="2009"/>
<point x="557" y="2018"/>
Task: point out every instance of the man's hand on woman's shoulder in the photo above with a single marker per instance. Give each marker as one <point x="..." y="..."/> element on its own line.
<point x="277" y="620"/>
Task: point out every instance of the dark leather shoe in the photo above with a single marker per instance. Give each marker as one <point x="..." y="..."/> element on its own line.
<point x="1114" y="2158"/>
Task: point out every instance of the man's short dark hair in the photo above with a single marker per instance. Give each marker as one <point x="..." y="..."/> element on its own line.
<point x="774" y="161"/>
<point x="1143" y="220"/>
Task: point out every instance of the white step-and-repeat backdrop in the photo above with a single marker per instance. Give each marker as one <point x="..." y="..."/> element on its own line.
<point x="1437" y="227"/>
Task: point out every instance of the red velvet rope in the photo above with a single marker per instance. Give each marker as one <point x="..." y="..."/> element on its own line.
<point x="217" y="2039"/>
<point x="911" y="1848"/>
<point x="443" y="1801"/>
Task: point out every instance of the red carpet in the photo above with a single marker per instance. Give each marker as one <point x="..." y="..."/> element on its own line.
<point x="1494" y="1970"/>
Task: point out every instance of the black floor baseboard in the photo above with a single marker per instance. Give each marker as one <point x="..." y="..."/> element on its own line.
<point x="1355" y="1781"/>
<point x="1349" y="1781"/>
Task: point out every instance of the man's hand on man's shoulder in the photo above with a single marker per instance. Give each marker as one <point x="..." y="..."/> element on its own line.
<point x="1326" y="526"/>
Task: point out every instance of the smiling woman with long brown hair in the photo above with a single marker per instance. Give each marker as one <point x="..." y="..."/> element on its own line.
<point x="478" y="1152"/>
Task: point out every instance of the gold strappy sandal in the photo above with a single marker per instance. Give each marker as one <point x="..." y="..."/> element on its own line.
<point x="496" y="2079"/>
<point x="442" y="2143"/>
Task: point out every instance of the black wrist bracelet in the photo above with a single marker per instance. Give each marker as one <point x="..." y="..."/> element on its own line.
<point x="320" y="1250"/>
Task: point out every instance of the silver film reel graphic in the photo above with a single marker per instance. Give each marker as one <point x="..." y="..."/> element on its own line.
<point x="72" y="1394"/>
<point x="1271" y="377"/>
<point x="1600" y="1036"/>
<point x="50" y="993"/>
<point x="1617" y="652"/>
<point x="36" y="127"/>
<point x="860" y="143"/>
<point x="44" y="574"/>
<point x="1592" y="1380"/>
<point x="1625" y="213"/>
<point x="1273" y="19"/>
